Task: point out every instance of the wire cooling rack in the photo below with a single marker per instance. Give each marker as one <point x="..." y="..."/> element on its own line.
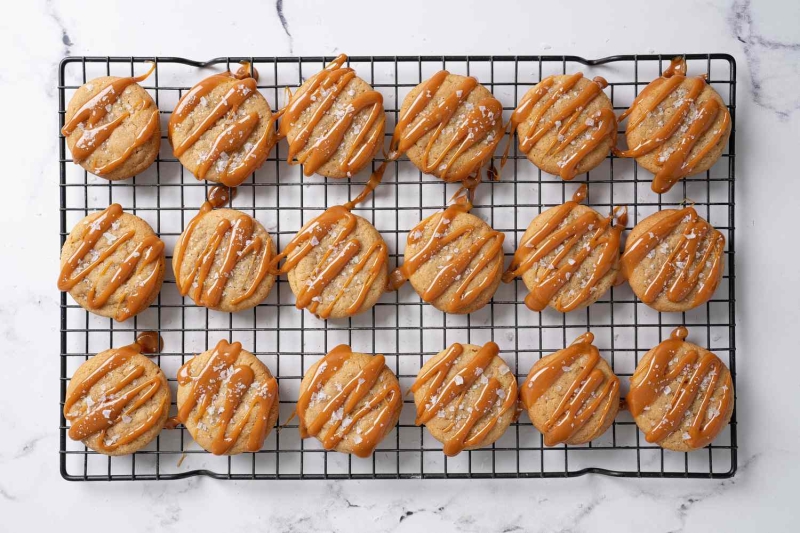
<point x="400" y="326"/>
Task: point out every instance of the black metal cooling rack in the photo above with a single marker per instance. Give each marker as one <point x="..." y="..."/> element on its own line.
<point x="400" y="326"/>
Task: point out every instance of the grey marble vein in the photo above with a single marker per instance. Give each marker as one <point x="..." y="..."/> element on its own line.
<point x="284" y="23"/>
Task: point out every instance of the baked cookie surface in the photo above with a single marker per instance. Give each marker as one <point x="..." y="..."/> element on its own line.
<point x="112" y="264"/>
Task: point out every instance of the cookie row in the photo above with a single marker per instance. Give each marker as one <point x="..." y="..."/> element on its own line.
<point x="681" y="397"/>
<point x="449" y="126"/>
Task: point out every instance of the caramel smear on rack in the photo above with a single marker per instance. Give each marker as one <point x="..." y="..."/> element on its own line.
<point x="364" y="389"/>
<point x="689" y="123"/>
<point x="222" y="370"/>
<point x="241" y="243"/>
<point x="93" y="134"/>
<point x="695" y="374"/>
<point x="583" y="234"/>
<point x="118" y="403"/>
<point x="493" y="400"/>
<point x="235" y="136"/>
<point x="682" y="272"/>
<point x="590" y="389"/>
<point x="149" y="251"/>
<point x="588" y="135"/>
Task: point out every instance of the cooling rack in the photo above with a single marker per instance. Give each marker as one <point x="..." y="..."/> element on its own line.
<point x="400" y="326"/>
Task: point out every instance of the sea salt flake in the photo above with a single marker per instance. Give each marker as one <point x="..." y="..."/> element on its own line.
<point x="459" y="380"/>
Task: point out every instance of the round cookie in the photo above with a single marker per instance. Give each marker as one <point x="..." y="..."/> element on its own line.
<point x="673" y="260"/>
<point x="681" y="395"/>
<point x="117" y="402"/>
<point x="227" y="399"/>
<point x="454" y="260"/>
<point x="112" y="127"/>
<point x="222" y="130"/>
<point x="112" y="264"/>
<point x="678" y="126"/>
<point x="221" y="260"/>
<point x="566" y="124"/>
<point x="466" y="396"/>
<point x="572" y="395"/>
<point x="334" y="122"/>
<point x="349" y="401"/>
<point x="449" y="126"/>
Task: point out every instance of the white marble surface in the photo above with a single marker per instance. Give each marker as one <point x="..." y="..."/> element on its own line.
<point x="763" y="36"/>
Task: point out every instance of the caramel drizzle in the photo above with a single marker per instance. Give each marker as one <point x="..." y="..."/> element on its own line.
<point x="694" y="373"/>
<point x="240" y="244"/>
<point x="583" y="397"/>
<point x="233" y="137"/>
<point x="675" y="164"/>
<point x="205" y="388"/>
<point x="110" y="410"/>
<point x="149" y="251"/>
<point x="603" y="122"/>
<point x="440" y="394"/>
<point x="94" y="110"/>
<point x="686" y="252"/>
<point x="325" y="86"/>
<point x="552" y="236"/>
<point x="477" y="124"/>
<point x="346" y="400"/>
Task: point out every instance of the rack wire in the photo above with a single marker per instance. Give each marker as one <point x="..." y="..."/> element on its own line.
<point x="404" y="329"/>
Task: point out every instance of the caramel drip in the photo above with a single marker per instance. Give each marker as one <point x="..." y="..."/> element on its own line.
<point x="101" y="415"/>
<point x="601" y="125"/>
<point x="150" y="342"/>
<point x="440" y="394"/>
<point x="696" y="374"/>
<point x="563" y="238"/>
<point x="141" y="138"/>
<point x="685" y="263"/>
<point x="325" y="87"/>
<point x="590" y="389"/>
<point x="342" y="405"/>
<point x="687" y="121"/>
<point x="149" y="251"/>
<point x="221" y="368"/>
<point x="477" y="124"/>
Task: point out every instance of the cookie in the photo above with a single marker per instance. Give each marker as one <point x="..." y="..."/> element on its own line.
<point x="678" y="126"/>
<point x="565" y="124"/>
<point x="673" y="260"/>
<point x="227" y="399"/>
<point x="349" y="401"/>
<point x="334" y="122"/>
<point x="222" y="130"/>
<point x="112" y="264"/>
<point x="118" y="401"/>
<point x="466" y="396"/>
<point x="221" y="260"/>
<point x="681" y="395"/>
<point x="571" y="396"/>
<point x="449" y="126"/>
<point x="453" y="259"/>
<point x="569" y="255"/>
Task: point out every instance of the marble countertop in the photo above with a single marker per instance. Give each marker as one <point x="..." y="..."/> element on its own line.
<point x="764" y="38"/>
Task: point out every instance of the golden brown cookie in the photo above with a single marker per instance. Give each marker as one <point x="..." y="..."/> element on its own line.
<point x="673" y="260"/>
<point x="569" y="255"/>
<point x="571" y="396"/>
<point x="227" y="399"/>
<point x="117" y="402"/>
<point x="681" y="395"/>
<point x="222" y="130"/>
<point x="112" y="127"/>
<point x="349" y="401"/>
<point x="678" y="126"/>
<point x="334" y="122"/>
<point x="466" y="396"/>
<point x="336" y="264"/>
<point x="112" y="264"/>
<point x="449" y="126"/>
<point x="565" y="124"/>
